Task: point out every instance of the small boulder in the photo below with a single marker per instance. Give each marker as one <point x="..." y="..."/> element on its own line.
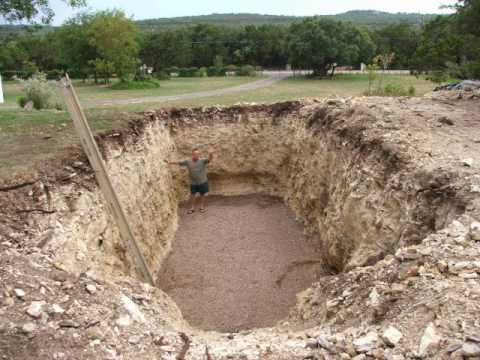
<point x="429" y="342"/>
<point x="28" y="328"/>
<point x="91" y="289"/>
<point x="19" y="293"/>
<point x="392" y="336"/>
<point x="35" y="309"/>
<point x="475" y="231"/>
<point x="366" y="343"/>
<point x="470" y="349"/>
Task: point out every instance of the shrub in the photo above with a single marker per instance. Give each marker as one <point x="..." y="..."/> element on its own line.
<point x="231" y="68"/>
<point x="202" y="72"/>
<point x="54" y="74"/>
<point x="22" y="101"/>
<point x="40" y="92"/>
<point x="411" y="90"/>
<point x="162" y="75"/>
<point x="135" y="85"/>
<point x="437" y="77"/>
<point x="246" y="70"/>
<point x="216" y="71"/>
<point x="471" y="70"/>
<point x="391" y="90"/>
<point x="187" y="72"/>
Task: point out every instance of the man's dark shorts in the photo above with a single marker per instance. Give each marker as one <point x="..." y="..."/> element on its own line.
<point x="201" y="189"/>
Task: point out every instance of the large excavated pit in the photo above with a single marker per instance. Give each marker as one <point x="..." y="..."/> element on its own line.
<point x="298" y="191"/>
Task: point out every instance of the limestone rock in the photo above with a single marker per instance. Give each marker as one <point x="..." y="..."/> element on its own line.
<point x="392" y="336"/>
<point x="366" y="343"/>
<point x="430" y="341"/>
<point x="28" y="328"/>
<point x="471" y="349"/>
<point x="132" y="309"/>
<point x="475" y="231"/>
<point x="19" y="293"/>
<point x="91" y="289"/>
<point x="35" y="309"/>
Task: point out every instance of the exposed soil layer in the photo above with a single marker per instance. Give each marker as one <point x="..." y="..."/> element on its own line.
<point x="240" y="264"/>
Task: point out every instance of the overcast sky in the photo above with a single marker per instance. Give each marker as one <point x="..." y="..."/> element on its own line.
<point x="147" y="9"/>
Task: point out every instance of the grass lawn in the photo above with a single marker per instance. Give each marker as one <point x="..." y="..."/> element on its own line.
<point x="295" y="88"/>
<point x="27" y="137"/>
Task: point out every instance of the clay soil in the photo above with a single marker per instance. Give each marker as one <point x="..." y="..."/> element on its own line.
<point x="240" y="264"/>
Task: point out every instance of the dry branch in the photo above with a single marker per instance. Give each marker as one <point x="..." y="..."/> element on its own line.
<point x="17" y="186"/>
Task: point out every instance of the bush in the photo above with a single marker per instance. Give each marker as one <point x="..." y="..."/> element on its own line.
<point x="187" y="72"/>
<point x="216" y="71"/>
<point x="246" y="70"/>
<point x="471" y="70"/>
<point x="135" y="85"/>
<point x="40" y="92"/>
<point x="54" y="74"/>
<point x="392" y="90"/>
<point x="437" y="77"/>
<point x="22" y="101"/>
<point x="202" y="72"/>
<point x="231" y="68"/>
<point x="162" y="75"/>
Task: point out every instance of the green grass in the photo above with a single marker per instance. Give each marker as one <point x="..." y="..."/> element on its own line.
<point x="295" y="88"/>
<point x="27" y="137"/>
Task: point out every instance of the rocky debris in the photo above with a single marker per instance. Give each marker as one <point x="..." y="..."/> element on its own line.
<point x="91" y="289"/>
<point x="19" y="293"/>
<point x="466" y="85"/>
<point x="467" y="162"/>
<point x="366" y="343"/>
<point x="68" y="324"/>
<point x="28" y="328"/>
<point x="35" y="309"/>
<point x="445" y="120"/>
<point x="470" y="349"/>
<point x="429" y="342"/>
<point x="132" y="309"/>
<point x="57" y="309"/>
<point x="475" y="231"/>
<point x="392" y="336"/>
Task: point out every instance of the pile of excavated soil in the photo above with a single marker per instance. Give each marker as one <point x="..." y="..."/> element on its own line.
<point x="240" y="264"/>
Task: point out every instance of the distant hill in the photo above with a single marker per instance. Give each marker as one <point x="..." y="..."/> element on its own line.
<point x="369" y="18"/>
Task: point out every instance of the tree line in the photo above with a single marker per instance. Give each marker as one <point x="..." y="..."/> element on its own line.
<point x="107" y="43"/>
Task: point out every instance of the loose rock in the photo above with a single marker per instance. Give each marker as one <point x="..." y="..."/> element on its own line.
<point x="35" y="309"/>
<point x="392" y="336"/>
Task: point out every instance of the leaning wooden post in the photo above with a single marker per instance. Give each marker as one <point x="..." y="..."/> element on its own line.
<point x="90" y="147"/>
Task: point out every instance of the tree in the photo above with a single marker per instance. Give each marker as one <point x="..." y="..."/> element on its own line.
<point x="468" y="16"/>
<point x="321" y="44"/>
<point x="16" y="10"/>
<point x="165" y="49"/>
<point x="114" y="37"/>
<point x="75" y="52"/>
<point x="401" y="39"/>
<point x="441" y="44"/>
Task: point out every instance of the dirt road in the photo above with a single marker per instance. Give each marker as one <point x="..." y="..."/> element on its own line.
<point x="273" y="78"/>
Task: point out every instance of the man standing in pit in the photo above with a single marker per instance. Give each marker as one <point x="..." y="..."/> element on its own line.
<point x="198" y="178"/>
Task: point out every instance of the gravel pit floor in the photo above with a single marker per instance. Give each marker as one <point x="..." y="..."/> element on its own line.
<point x="240" y="264"/>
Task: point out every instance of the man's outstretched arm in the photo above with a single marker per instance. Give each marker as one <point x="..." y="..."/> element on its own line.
<point x="211" y="152"/>
<point x="173" y="162"/>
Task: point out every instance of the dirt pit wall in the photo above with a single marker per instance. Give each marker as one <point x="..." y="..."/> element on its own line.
<point x="358" y="197"/>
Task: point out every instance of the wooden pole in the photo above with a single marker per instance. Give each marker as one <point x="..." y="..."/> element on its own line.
<point x="91" y="149"/>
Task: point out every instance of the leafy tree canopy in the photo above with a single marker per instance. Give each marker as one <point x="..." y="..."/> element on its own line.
<point x="17" y="10"/>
